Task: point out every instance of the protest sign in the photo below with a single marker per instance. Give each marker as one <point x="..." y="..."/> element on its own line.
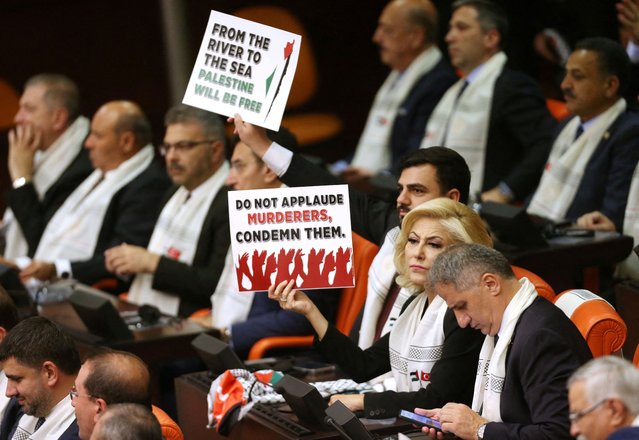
<point x="292" y="233"/>
<point x="244" y="67"/>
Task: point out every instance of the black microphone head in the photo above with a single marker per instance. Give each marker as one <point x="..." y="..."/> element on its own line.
<point x="150" y="314"/>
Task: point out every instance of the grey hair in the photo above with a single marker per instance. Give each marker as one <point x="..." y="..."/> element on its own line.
<point x="609" y="376"/>
<point x="61" y="91"/>
<point x="128" y="421"/>
<point x="210" y="122"/>
<point x="462" y="265"/>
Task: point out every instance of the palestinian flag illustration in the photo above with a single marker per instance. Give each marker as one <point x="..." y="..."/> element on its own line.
<point x="288" y="50"/>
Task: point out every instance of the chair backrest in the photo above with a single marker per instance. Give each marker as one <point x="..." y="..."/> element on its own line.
<point x="306" y="76"/>
<point x="543" y="288"/>
<point x="170" y="429"/>
<point x="557" y="109"/>
<point x="352" y="299"/>
<point x="635" y="359"/>
<point x="9" y="103"/>
<point x="597" y="321"/>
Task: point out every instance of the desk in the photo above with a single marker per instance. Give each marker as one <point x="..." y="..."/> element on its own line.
<point x="154" y="345"/>
<point x="567" y="256"/>
<point x="191" y="395"/>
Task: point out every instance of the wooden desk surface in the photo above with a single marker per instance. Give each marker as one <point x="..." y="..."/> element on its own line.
<point x="567" y="257"/>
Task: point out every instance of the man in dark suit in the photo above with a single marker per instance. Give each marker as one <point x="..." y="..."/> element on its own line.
<point x="406" y="35"/>
<point x="530" y="350"/>
<point x="494" y="117"/>
<point x="8" y="319"/>
<point x="41" y="363"/>
<point x="46" y="159"/>
<point x="185" y="257"/>
<point x="595" y="153"/>
<point x="101" y="384"/>
<point x="117" y="203"/>
<point x="604" y="400"/>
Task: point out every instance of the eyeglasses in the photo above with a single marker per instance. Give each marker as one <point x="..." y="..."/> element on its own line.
<point x="182" y="146"/>
<point x="575" y="417"/>
<point x="73" y="394"/>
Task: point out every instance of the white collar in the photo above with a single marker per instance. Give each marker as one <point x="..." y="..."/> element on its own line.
<point x="203" y="187"/>
<point x="507" y="312"/>
<point x="475" y="72"/>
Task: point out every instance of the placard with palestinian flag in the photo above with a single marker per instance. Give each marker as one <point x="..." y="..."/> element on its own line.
<point x="244" y="67"/>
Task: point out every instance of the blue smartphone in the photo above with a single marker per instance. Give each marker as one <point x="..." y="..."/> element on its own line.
<point x="420" y="420"/>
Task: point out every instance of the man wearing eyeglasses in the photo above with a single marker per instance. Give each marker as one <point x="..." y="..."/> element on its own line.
<point x="41" y="363"/>
<point x="185" y="257"/>
<point x="100" y="383"/>
<point x="604" y="400"/>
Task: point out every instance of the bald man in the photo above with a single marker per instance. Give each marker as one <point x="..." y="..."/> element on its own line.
<point x="117" y="203"/>
<point x="406" y="35"/>
<point x="100" y="384"/>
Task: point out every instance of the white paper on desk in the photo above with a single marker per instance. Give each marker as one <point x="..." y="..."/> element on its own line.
<point x="244" y="67"/>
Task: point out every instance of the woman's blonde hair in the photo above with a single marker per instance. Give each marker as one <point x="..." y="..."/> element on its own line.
<point x="462" y="224"/>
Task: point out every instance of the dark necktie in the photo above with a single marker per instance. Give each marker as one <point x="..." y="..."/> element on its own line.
<point x="452" y="112"/>
<point x="39" y="423"/>
<point x="386" y="309"/>
<point x="579" y="132"/>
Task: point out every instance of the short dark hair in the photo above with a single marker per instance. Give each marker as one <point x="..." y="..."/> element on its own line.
<point x="284" y="137"/>
<point x="8" y="311"/>
<point x="128" y="421"/>
<point x="210" y="122"/>
<point x="61" y="91"/>
<point x="462" y="266"/>
<point x="106" y="381"/>
<point x="489" y="15"/>
<point x="36" y="340"/>
<point x="452" y="169"/>
<point x="612" y="59"/>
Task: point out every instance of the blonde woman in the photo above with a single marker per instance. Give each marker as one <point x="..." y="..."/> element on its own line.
<point x="432" y="359"/>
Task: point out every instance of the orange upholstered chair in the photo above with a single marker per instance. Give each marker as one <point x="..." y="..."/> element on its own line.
<point x="543" y="288"/>
<point x="557" y="109"/>
<point x="635" y="359"/>
<point x="308" y="127"/>
<point x="170" y="429"/>
<point x="9" y="103"/>
<point x="351" y="301"/>
<point x="599" y="323"/>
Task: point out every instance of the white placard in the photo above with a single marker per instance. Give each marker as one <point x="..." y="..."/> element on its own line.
<point x="244" y="67"/>
<point x="292" y="233"/>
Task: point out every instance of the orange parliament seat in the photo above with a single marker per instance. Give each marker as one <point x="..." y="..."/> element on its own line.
<point x="557" y="109"/>
<point x="635" y="359"/>
<point x="308" y="127"/>
<point x="9" y="103"/>
<point x="351" y="301"/>
<point x="170" y="429"/>
<point x="543" y="288"/>
<point x="597" y="321"/>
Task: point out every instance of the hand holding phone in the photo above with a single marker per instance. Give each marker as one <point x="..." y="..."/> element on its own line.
<point x="416" y="419"/>
<point x="420" y="420"/>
